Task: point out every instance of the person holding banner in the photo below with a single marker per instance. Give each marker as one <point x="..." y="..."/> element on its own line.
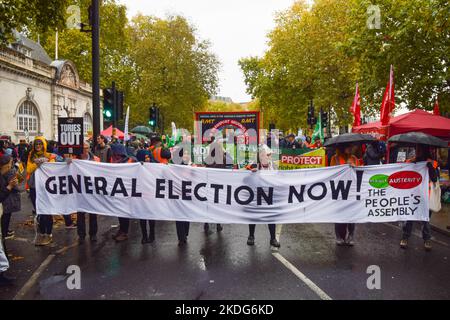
<point x="7" y="186"/>
<point x="119" y="155"/>
<point x="344" y="231"/>
<point x="216" y="159"/>
<point x="265" y="163"/>
<point x="81" y="221"/>
<point x="423" y="153"/>
<point x="37" y="156"/>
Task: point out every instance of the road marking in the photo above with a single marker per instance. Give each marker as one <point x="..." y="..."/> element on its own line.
<point x="302" y="277"/>
<point x="417" y="234"/>
<point x="32" y="281"/>
<point x="35" y="276"/>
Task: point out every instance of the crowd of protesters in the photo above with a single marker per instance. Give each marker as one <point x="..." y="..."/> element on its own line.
<point x="15" y="161"/>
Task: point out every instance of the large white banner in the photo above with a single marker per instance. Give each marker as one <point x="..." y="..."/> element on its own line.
<point x="395" y="192"/>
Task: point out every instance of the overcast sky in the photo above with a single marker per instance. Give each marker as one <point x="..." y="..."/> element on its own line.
<point x="235" y="28"/>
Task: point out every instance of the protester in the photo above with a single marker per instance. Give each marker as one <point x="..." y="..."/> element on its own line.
<point x="23" y="151"/>
<point x="160" y="154"/>
<point x="102" y="150"/>
<point x="372" y="156"/>
<point x="423" y="153"/>
<point x="216" y="158"/>
<point x="344" y="231"/>
<point x="265" y="163"/>
<point x="291" y="143"/>
<point x="8" y="185"/>
<point x="12" y="203"/>
<point x="81" y="220"/>
<point x="317" y="143"/>
<point x="144" y="155"/>
<point x="36" y="157"/>
<point x="119" y="155"/>
<point x="183" y="226"/>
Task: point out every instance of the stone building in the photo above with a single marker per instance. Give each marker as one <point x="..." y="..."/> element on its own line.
<point x="35" y="91"/>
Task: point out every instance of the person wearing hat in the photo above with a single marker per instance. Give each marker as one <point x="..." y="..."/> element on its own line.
<point x="7" y="185"/>
<point x="37" y="156"/>
<point x="119" y="155"/>
<point x="291" y="143"/>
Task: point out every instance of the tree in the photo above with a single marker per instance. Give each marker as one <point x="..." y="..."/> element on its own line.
<point x="40" y="15"/>
<point x="304" y="62"/>
<point x="414" y="37"/>
<point x="319" y="52"/>
<point x="174" y="69"/>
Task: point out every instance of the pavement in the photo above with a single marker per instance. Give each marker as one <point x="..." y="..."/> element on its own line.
<point x="440" y="222"/>
<point x="308" y="266"/>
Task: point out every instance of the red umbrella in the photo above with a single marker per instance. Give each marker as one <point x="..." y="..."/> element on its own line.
<point x="109" y="132"/>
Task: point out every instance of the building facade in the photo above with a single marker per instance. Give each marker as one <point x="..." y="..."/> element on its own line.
<point x="35" y="91"/>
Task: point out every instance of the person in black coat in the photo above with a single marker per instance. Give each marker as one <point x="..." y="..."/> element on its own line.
<point x="7" y="185"/>
<point x="372" y="156"/>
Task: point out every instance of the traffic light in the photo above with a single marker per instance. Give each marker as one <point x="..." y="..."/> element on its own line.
<point x="153" y="117"/>
<point x="108" y="104"/>
<point x="311" y="118"/>
<point x="119" y="105"/>
<point x="324" y="117"/>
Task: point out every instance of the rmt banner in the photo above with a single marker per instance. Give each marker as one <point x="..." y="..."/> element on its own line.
<point x="70" y="135"/>
<point x="395" y="192"/>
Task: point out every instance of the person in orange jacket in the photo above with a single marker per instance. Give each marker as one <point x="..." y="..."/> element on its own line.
<point x="344" y="231"/>
<point x="37" y="156"/>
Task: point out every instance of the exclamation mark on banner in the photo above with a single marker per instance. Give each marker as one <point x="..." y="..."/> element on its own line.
<point x="359" y="175"/>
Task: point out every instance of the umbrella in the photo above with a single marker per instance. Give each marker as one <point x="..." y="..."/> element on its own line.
<point x="418" y="138"/>
<point x="349" y="138"/>
<point x="142" y="130"/>
<point x="141" y="136"/>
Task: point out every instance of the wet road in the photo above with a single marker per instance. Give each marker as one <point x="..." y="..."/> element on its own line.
<point x="221" y="266"/>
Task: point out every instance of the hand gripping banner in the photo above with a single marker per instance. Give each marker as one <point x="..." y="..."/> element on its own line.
<point x="394" y="192"/>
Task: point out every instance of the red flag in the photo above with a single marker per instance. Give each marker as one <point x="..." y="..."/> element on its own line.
<point x="388" y="104"/>
<point x="436" y="111"/>
<point x="355" y="109"/>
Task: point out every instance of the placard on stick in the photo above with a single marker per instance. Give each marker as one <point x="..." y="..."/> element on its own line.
<point x="70" y="135"/>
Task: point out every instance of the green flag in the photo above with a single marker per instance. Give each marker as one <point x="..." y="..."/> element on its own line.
<point x="318" y="130"/>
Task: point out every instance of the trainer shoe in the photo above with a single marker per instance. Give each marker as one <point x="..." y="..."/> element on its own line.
<point x="404" y="243"/>
<point x="251" y="240"/>
<point x="349" y="241"/>
<point x="427" y="245"/>
<point x="340" y="242"/>
<point x="219" y="227"/>
<point x="275" y="243"/>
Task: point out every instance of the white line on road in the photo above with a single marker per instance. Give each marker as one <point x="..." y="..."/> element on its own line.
<point x="302" y="277"/>
<point x="31" y="282"/>
<point x="35" y="276"/>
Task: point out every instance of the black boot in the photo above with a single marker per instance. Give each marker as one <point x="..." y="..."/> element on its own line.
<point x="219" y="227"/>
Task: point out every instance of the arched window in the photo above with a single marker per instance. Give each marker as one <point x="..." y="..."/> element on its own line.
<point x="87" y="122"/>
<point x="28" y="117"/>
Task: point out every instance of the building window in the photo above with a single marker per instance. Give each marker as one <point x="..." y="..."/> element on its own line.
<point x="28" y="117"/>
<point x="87" y="122"/>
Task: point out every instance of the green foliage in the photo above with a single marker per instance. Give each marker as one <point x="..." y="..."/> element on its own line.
<point x="320" y="52"/>
<point x="40" y="15"/>
<point x="152" y="60"/>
